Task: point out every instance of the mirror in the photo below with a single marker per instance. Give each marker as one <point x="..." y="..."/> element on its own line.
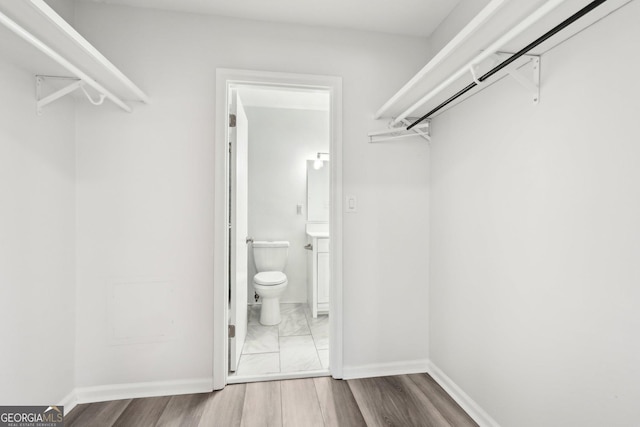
<point x="318" y="184"/>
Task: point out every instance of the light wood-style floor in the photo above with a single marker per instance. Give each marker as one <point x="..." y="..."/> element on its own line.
<point x="401" y="401"/>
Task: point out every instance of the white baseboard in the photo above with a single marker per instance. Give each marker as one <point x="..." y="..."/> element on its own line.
<point x="205" y="385"/>
<point x="384" y="369"/>
<point x="474" y="410"/>
<point x="136" y="390"/>
<point x="69" y="402"/>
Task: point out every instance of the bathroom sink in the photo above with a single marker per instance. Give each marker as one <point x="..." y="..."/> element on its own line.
<point x="318" y="234"/>
<point x="318" y="230"/>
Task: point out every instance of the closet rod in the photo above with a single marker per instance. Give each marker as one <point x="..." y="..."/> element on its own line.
<point x="473" y="26"/>
<point x="570" y="20"/>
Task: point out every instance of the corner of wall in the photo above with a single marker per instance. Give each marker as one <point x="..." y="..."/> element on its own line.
<point x="69" y="402"/>
<point x="472" y="408"/>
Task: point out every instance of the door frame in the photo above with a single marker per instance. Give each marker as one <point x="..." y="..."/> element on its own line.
<point x="224" y="78"/>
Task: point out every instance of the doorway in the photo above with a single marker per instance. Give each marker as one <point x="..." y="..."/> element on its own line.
<point x="236" y="305"/>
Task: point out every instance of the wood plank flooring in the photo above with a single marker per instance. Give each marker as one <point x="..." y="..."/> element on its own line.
<point x="400" y="401"/>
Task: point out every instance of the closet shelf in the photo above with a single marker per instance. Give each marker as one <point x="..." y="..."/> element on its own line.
<point x="68" y="55"/>
<point x="500" y="29"/>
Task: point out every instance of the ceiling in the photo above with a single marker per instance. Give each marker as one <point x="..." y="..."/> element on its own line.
<point x="404" y="17"/>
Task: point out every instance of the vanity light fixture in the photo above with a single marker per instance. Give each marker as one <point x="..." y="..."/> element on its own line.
<point x="319" y="162"/>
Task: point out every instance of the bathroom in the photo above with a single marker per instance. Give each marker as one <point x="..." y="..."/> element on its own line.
<point x="287" y="205"/>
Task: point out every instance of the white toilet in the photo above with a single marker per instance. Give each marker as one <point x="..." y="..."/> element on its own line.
<point x="270" y="282"/>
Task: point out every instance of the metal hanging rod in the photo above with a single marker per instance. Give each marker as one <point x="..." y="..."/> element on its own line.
<point x="570" y="20"/>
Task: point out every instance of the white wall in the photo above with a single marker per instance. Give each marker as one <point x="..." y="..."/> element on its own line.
<point x="37" y="244"/>
<point x="535" y="238"/>
<point x="460" y="16"/>
<point x="281" y="140"/>
<point x="145" y="190"/>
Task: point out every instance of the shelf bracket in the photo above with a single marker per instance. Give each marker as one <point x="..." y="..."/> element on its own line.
<point x="42" y="101"/>
<point x="393" y="133"/>
<point x="530" y="83"/>
<point x="423" y="131"/>
<point x="100" y="100"/>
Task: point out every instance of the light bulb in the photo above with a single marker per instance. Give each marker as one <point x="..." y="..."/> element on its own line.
<point x="317" y="164"/>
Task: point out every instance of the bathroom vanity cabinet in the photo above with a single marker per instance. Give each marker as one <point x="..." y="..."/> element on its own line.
<point x="318" y="273"/>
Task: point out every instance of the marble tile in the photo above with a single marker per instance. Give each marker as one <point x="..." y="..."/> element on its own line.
<point x="254" y="314"/>
<point x="320" y="319"/>
<point x="307" y="312"/>
<point x="294" y="320"/>
<point x="261" y="339"/>
<point x="257" y="364"/>
<point x="286" y="308"/>
<point x="324" y="358"/>
<point x="320" y="331"/>
<point x="298" y="353"/>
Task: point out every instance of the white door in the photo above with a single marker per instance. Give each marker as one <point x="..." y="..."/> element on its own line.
<point x="238" y="169"/>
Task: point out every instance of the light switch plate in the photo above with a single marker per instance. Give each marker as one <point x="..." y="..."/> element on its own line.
<point x="351" y="204"/>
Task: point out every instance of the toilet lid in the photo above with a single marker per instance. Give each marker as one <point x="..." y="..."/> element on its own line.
<point x="267" y="278"/>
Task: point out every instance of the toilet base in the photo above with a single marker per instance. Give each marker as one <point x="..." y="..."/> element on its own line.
<point x="270" y="295"/>
<point x="270" y="311"/>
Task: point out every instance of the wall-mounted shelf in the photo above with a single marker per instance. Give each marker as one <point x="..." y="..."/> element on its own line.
<point x="501" y="28"/>
<point x="37" y="24"/>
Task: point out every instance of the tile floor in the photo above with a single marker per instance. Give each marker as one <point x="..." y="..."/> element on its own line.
<point x="298" y="343"/>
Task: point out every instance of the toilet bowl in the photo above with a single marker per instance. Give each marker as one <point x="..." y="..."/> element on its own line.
<point x="270" y="282"/>
<point x="270" y="285"/>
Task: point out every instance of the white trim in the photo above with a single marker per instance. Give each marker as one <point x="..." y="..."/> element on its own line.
<point x="136" y="390"/>
<point x="69" y="401"/>
<point x="474" y="410"/>
<point x="240" y="379"/>
<point x="335" y="231"/>
<point x="220" y="273"/>
<point x="418" y="366"/>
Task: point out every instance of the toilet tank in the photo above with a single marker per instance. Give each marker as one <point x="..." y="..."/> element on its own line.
<point x="270" y="256"/>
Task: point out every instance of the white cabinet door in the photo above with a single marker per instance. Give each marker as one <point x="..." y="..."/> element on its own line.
<point x="323" y="277"/>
